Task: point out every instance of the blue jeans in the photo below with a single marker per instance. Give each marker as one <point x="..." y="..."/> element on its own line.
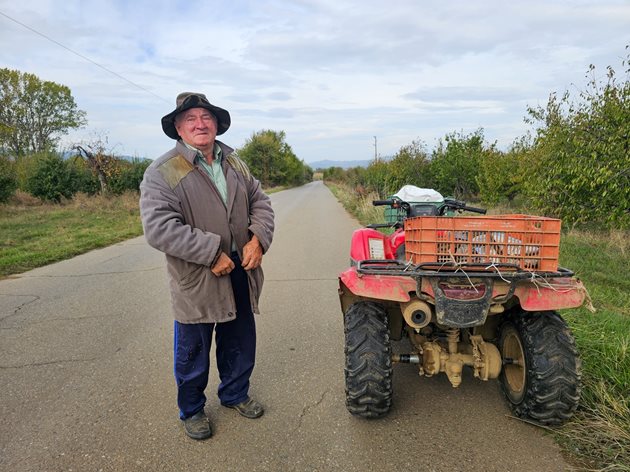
<point x="235" y="352"/>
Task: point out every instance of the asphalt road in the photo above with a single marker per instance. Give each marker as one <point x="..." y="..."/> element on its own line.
<point x="86" y="379"/>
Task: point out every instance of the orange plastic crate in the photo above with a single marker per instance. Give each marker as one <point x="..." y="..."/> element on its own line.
<point x="530" y="242"/>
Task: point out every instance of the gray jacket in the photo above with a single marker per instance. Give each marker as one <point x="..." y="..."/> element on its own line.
<point x="184" y="216"/>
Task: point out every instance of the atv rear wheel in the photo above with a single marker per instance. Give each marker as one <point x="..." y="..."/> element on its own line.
<point x="542" y="369"/>
<point x="368" y="370"/>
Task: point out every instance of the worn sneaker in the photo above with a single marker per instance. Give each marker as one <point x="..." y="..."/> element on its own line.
<point x="198" y="426"/>
<point x="248" y="408"/>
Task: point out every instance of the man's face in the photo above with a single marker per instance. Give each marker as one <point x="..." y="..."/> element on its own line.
<point x="197" y="127"/>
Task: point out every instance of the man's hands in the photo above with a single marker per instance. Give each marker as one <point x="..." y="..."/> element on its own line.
<point x="223" y="265"/>
<point x="252" y="257"/>
<point x="252" y="254"/>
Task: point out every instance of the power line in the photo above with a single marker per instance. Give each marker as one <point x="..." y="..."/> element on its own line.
<point x="82" y="56"/>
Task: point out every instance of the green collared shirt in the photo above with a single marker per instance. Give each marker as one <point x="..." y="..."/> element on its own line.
<point x="214" y="170"/>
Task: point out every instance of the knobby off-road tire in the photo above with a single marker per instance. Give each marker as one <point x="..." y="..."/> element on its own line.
<point x="544" y="382"/>
<point x="368" y="369"/>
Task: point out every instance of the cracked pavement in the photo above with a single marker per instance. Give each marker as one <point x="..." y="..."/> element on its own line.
<point x="87" y="383"/>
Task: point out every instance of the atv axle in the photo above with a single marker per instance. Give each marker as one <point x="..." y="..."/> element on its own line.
<point x="406" y="358"/>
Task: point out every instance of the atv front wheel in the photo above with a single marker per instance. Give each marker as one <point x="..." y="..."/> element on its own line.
<point x="542" y="369"/>
<point x="368" y="368"/>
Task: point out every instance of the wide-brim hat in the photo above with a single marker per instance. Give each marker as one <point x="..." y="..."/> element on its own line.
<point x="186" y="101"/>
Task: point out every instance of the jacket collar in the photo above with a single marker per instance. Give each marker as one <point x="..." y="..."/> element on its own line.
<point x="230" y="174"/>
<point x="190" y="154"/>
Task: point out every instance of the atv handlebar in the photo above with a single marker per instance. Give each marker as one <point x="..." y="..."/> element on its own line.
<point x="385" y="202"/>
<point x="441" y="208"/>
<point x="459" y="205"/>
<point x="481" y="211"/>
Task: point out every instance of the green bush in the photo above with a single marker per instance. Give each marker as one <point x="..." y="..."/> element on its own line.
<point x="129" y="176"/>
<point x="24" y="167"/>
<point x="578" y="168"/>
<point x="409" y="166"/>
<point x="84" y="179"/>
<point x="53" y="179"/>
<point x="376" y="178"/>
<point x="8" y="179"/>
<point x="335" y="174"/>
<point x="272" y="161"/>
<point x="500" y="174"/>
<point x="455" y="163"/>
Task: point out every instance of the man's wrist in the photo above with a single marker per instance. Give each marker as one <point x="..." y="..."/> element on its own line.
<point x="216" y="258"/>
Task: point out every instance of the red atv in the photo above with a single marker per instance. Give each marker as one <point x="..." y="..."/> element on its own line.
<point x="480" y="292"/>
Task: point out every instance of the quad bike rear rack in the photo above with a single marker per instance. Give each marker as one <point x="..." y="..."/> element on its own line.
<point x="505" y="271"/>
<point x="536" y="291"/>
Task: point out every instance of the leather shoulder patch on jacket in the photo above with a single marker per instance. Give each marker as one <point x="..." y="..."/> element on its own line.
<point x="174" y="170"/>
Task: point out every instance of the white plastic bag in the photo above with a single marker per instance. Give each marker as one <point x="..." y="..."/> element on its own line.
<point x="411" y="193"/>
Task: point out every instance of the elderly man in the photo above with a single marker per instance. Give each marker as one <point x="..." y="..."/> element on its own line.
<point x="201" y="207"/>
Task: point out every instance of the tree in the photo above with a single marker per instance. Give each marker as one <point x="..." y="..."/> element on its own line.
<point x="410" y="166"/>
<point x="334" y="174"/>
<point x="455" y="164"/>
<point x="272" y="160"/>
<point x="355" y="176"/>
<point x="500" y="174"/>
<point x="34" y="114"/>
<point x="579" y="168"/>
<point x="376" y="178"/>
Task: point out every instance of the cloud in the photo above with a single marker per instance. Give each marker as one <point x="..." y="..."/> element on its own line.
<point x="331" y="74"/>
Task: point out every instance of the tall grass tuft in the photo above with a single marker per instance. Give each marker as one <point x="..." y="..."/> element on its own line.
<point x="358" y="204"/>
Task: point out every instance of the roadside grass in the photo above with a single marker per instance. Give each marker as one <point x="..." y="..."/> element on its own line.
<point x="36" y="233"/>
<point x="278" y="188"/>
<point x="598" y="436"/>
<point x="359" y="206"/>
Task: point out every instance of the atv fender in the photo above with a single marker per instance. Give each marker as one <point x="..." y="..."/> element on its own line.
<point x="353" y="286"/>
<point x="555" y="294"/>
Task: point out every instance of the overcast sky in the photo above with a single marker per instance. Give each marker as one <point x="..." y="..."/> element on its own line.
<point x="331" y="74"/>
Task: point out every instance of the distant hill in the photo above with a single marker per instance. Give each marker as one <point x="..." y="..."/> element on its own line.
<point x="325" y="164"/>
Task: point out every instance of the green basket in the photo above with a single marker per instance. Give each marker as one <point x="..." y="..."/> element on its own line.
<point x="392" y="215"/>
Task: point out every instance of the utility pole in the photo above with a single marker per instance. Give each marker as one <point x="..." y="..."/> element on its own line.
<point x="375" y="150"/>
